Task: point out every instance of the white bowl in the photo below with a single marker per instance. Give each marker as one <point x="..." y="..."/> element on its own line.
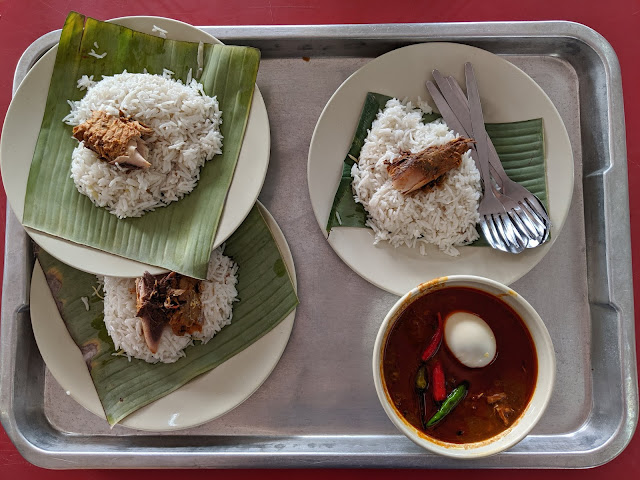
<point x="544" y="382"/>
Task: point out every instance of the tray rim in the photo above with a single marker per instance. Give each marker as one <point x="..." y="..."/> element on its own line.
<point x="376" y="450"/>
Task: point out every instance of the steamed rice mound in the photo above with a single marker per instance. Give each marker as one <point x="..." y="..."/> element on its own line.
<point x="125" y="329"/>
<point x="186" y="126"/>
<point x="446" y="215"/>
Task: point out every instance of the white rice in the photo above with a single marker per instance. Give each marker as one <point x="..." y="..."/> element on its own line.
<point x="218" y="294"/>
<point x="162" y="33"/>
<point x="85" y="82"/>
<point x="94" y="54"/>
<point x="445" y="216"/>
<point x="186" y="125"/>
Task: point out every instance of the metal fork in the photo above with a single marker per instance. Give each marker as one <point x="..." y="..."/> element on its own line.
<point x="500" y="232"/>
<point x="496" y="224"/>
<point x="526" y="210"/>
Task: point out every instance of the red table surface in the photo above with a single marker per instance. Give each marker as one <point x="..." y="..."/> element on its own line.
<point x="22" y="21"/>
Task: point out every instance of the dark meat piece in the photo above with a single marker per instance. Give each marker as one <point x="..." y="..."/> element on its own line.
<point x="145" y="289"/>
<point x="413" y="171"/>
<point x="495" y="398"/>
<point x="170" y="299"/>
<point x="185" y="318"/>
<point x="115" y="139"/>
<point x="503" y="412"/>
<point x="153" y="320"/>
<point x="501" y="409"/>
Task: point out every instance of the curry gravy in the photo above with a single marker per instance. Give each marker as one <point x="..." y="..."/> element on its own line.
<point x="498" y="393"/>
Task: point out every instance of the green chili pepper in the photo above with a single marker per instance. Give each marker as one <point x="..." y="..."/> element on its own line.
<point x="422" y="383"/>
<point x="421" y="379"/>
<point x="454" y="398"/>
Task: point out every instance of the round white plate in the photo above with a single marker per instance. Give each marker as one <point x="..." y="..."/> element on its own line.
<point x="20" y="133"/>
<point x="508" y="95"/>
<point x="207" y="397"/>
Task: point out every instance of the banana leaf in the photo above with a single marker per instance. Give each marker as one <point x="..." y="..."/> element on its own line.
<point x="266" y="297"/>
<point x="345" y="211"/>
<point x="178" y="237"/>
<point x="520" y="146"/>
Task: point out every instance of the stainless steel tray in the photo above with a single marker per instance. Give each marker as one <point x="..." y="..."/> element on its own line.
<point x="319" y="408"/>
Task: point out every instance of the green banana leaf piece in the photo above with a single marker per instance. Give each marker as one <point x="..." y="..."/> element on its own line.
<point x="178" y="237"/>
<point x="266" y="297"/>
<point x="345" y="211"/>
<point x="520" y="146"/>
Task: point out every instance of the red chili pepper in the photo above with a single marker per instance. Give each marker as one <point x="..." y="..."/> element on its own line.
<point x="434" y="344"/>
<point x="439" y="390"/>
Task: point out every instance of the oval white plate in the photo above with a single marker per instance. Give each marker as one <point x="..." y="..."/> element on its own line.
<point x="207" y="397"/>
<point x="508" y="94"/>
<point x="20" y="133"/>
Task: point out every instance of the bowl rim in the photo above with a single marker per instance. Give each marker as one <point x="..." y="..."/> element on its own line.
<point x="544" y="382"/>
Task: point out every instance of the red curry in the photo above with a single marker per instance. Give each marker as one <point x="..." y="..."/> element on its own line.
<point x="497" y="394"/>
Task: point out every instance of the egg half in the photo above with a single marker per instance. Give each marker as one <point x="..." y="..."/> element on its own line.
<point x="470" y="339"/>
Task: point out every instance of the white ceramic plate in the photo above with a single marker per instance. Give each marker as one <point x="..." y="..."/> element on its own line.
<point x="508" y="95"/>
<point x="208" y="396"/>
<point x="20" y="133"/>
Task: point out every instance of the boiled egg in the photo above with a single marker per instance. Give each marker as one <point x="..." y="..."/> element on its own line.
<point x="470" y="339"/>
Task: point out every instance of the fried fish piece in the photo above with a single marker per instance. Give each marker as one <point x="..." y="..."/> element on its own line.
<point x="115" y="139"/>
<point x="413" y="171"/>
